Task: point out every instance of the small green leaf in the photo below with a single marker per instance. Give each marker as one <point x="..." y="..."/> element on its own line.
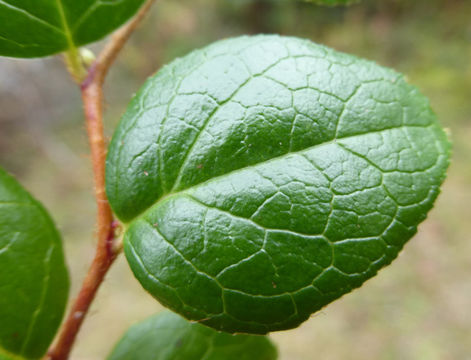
<point x="32" y="28"/>
<point x="263" y="177"/>
<point x="167" y="336"/>
<point x="34" y="281"/>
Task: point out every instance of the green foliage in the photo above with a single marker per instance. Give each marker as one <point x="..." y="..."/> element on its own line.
<point x="33" y="277"/>
<point x="167" y="336"/>
<point x="263" y="177"/>
<point x="32" y="28"/>
<point x="7" y="356"/>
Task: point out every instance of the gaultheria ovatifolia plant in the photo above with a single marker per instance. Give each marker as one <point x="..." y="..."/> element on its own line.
<point x="256" y="180"/>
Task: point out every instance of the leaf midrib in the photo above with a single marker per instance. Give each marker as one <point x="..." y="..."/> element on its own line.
<point x="166" y="196"/>
<point x="65" y="25"/>
<point x="65" y="28"/>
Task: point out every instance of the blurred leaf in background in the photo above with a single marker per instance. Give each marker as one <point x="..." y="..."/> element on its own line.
<point x="168" y="336"/>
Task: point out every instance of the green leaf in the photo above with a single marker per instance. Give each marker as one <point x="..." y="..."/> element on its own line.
<point x="32" y="28"/>
<point x="263" y="177"/>
<point x="34" y="281"/>
<point x="7" y="356"/>
<point x="167" y="336"/>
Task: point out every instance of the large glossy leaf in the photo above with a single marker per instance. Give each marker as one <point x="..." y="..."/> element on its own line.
<point x="31" y="28"/>
<point x="167" y="336"/>
<point x="33" y="278"/>
<point x="263" y="177"/>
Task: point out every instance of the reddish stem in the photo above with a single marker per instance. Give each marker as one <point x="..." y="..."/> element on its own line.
<point x="106" y="253"/>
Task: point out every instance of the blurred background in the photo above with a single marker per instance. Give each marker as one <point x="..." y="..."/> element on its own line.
<point x="418" y="308"/>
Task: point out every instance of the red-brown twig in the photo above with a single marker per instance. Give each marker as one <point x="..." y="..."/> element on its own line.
<point x="92" y="97"/>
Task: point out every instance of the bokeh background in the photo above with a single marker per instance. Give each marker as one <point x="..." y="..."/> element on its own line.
<point x="418" y="308"/>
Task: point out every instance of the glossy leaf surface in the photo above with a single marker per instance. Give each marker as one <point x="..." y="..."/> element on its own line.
<point x="168" y="336"/>
<point x="32" y="28"/>
<point x="263" y="177"/>
<point x="33" y="278"/>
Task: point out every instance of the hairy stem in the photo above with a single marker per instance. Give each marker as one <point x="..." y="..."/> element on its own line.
<point x="106" y="252"/>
